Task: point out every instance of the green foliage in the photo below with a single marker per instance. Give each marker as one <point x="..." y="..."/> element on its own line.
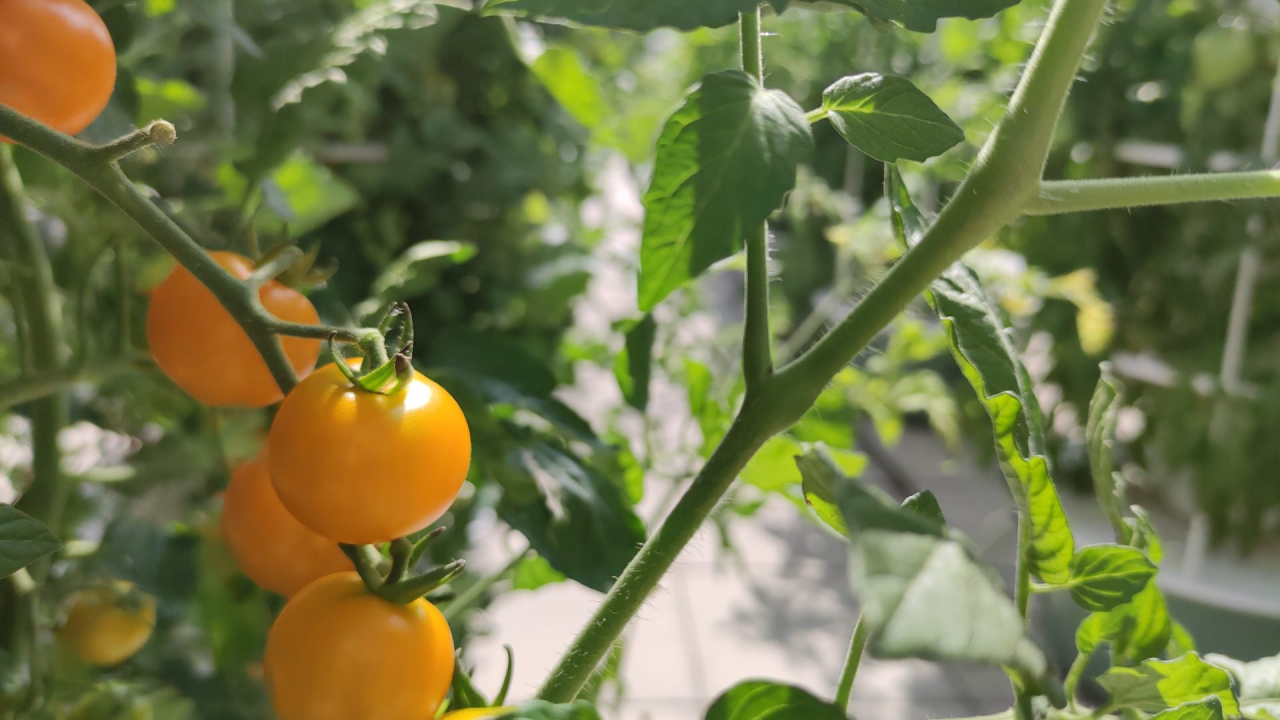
<point x="23" y="540"/>
<point x="1157" y="685"/>
<point x="924" y="591"/>
<point x="923" y="15"/>
<point x="1105" y="576"/>
<point x="539" y="710"/>
<point x="888" y="118"/>
<point x="925" y="505"/>
<point x="1207" y="709"/>
<point x="759" y="699"/>
<point x="1257" y="683"/>
<point x="632" y="14"/>
<point x="723" y="163"/>
<point x="634" y="366"/>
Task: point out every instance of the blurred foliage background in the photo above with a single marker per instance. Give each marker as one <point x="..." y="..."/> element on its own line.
<point x="486" y="170"/>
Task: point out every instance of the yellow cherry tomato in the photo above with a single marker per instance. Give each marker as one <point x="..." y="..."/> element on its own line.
<point x="107" y="624"/>
<point x="270" y="546"/>
<point x="339" y="652"/>
<point x="478" y="713"/>
<point x="197" y="343"/>
<point x="362" y="467"/>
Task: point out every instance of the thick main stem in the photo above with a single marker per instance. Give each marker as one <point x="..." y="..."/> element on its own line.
<point x="1005" y="177"/>
<point x="645" y="571"/>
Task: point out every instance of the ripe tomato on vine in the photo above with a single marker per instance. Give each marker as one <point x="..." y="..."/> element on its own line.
<point x="338" y="652"/>
<point x="365" y="467"/>
<point x="57" y="62"/>
<point x="270" y="546"/>
<point x="197" y="343"/>
<point x="107" y="624"/>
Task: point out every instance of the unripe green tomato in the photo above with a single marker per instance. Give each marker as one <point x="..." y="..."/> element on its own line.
<point x="1221" y="57"/>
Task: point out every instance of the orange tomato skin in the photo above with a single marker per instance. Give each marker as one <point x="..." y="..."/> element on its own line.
<point x="364" y="468"/>
<point x="478" y="713"/>
<point x="197" y="343"/>
<point x="338" y="652"/>
<point x="102" y="630"/>
<point x="270" y="546"/>
<point x="57" y="62"/>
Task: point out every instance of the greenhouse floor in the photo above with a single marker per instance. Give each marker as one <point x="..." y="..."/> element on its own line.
<point x="783" y="611"/>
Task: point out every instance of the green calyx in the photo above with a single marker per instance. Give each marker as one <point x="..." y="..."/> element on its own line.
<point x="398" y="585"/>
<point x="379" y="373"/>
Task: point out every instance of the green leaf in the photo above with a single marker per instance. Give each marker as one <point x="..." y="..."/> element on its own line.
<point x="565" y="76"/>
<point x="576" y="518"/>
<point x="1052" y="544"/>
<point x="724" y="161"/>
<point x="888" y="118"/>
<point x="541" y="710"/>
<point x="1143" y="534"/>
<point x="909" y="223"/>
<point x="634" y="365"/>
<point x="305" y="195"/>
<point x="1137" y="630"/>
<point x="821" y="470"/>
<point x="763" y="699"/>
<point x="1105" y="576"/>
<point x="1257" y="683"/>
<point x="924" y="590"/>
<point x="1157" y="685"/>
<point x="534" y="572"/>
<point x="1181" y="642"/>
<point x="925" y="504"/>
<point x="413" y="273"/>
<point x="982" y="345"/>
<point x="641" y="15"/>
<point x="917" y="15"/>
<point x="23" y="540"/>
<point x="162" y="560"/>
<point x="1100" y="430"/>
<point x="1208" y="709"/>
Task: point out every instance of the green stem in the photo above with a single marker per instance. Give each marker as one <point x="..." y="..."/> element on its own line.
<point x="469" y="597"/>
<point x="757" y="340"/>
<point x="752" y="44"/>
<point x="655" y="557"/>
<point x="87" y="162"/>
<point x="26" y="388"/>
<point x="1005" y="177"/>
<point x="1066" y="196"/>
<point x="1022" y="601"/>
<point x="856" y="646"/>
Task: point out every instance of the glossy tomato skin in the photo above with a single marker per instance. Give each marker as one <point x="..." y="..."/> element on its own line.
<point x="57" y="62"/>
<point x="270" y="546"/>
<point x="362" y="467"/>
<point x="338" y="652"/>
<point x="478" y="713"/>
<point x="107" y="624"/>
<point x="197" y="343"/>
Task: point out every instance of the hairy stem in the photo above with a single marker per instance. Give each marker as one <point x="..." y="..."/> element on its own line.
<point x="645" y="571"/>
<point x="1005" y="177"/>
<point x="1068" y="196"/>
<point x="757" y="340"/>
<point x="857" y="644"/>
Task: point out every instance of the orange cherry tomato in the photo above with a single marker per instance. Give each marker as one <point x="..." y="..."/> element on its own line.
<point x="57" y="62"/>
<point x="107" y="624"/>
<point x="270" y="545"/>
<point x="365" y="468"/>
<point x="478" y="713"/>
<point x="197" y="343"/>
<point x="339" y="652"/>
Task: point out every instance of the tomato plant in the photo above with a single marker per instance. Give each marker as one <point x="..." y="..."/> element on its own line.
<point x="360" y="128"/>
<point x="270" y="545"/>
<point x="59" y="62"/>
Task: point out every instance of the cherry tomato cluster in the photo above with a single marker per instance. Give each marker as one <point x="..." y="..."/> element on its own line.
<point x="343" y="464"/>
